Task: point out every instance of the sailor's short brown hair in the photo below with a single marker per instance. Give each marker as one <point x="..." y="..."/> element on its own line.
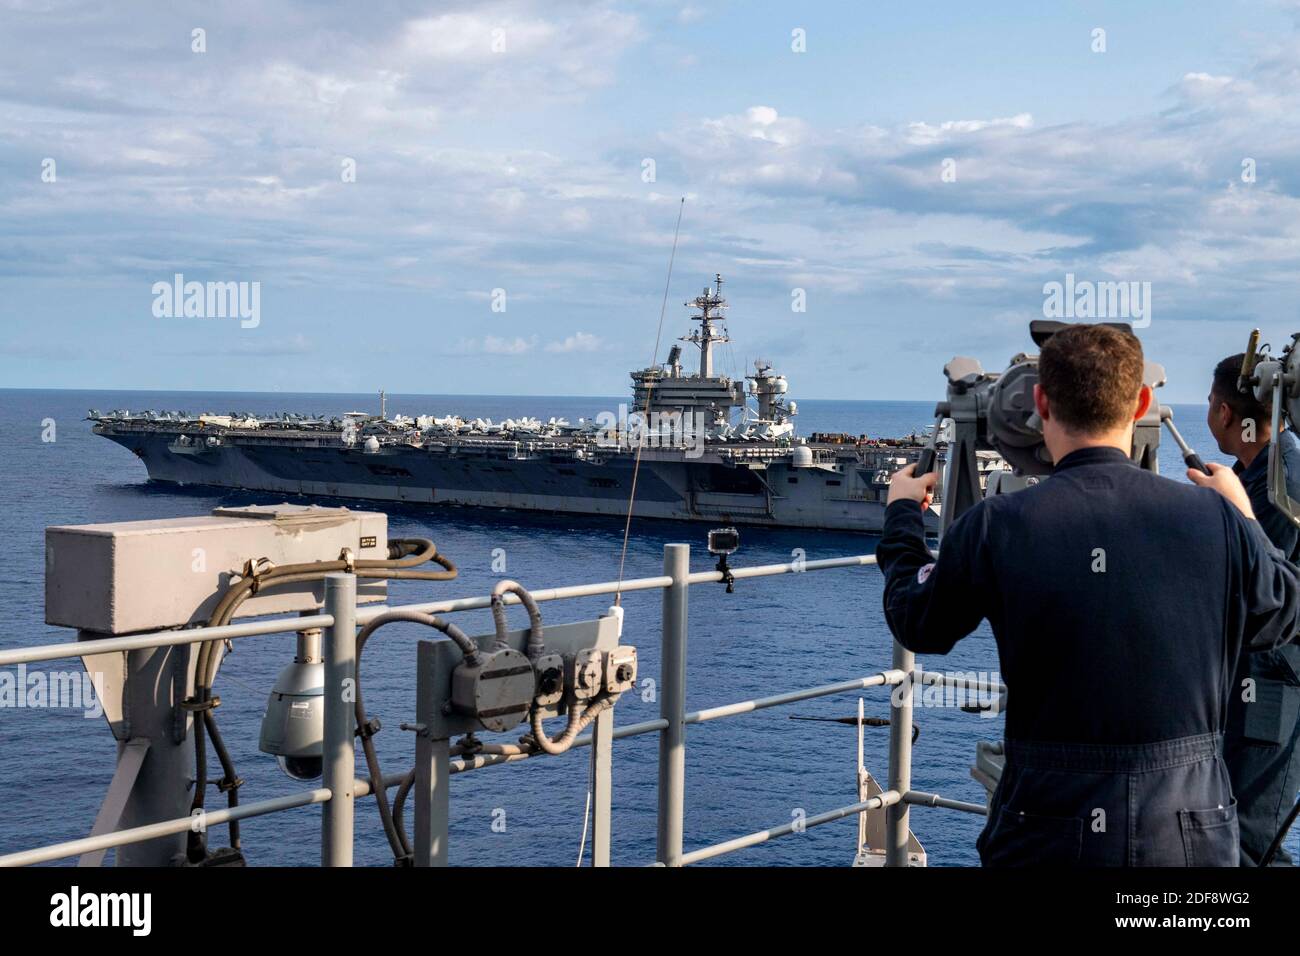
<point x="1244" y="405"/>
<point x="1092" y="375"/>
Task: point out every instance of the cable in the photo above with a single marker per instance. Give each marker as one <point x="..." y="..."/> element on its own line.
<point x="536" y="644"/>
<point x="586" y="814"/>
<point x="399" y="805"/>
<point x="579" y="716"/>
<point x="579" y="719"/>
<point x="366" y="728"/>
<point x="650" y="384"/>
<point x="404" y="555"/>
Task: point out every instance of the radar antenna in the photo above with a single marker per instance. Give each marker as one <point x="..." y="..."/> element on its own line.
<point x="709" y="302"/>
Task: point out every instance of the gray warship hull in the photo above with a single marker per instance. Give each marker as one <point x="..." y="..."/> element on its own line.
<point x="843" y="488"/>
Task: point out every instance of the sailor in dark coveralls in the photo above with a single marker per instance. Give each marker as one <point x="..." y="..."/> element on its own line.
<point x="1121" y="602"/>
<point x="1264" y="710"/>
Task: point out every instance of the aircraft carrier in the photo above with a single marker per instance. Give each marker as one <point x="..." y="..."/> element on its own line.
<point x="693" y="457"/>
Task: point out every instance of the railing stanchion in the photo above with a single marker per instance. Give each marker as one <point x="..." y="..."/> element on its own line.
<point x="900" y="758"/>
<point x="602" y="787"/>
<point x="432" y="755"/>
<point x="339" y="770"/>
<point x="672" y="706"/>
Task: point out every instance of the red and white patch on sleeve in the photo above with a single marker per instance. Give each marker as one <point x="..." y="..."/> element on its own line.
<point x="924" y="573"/>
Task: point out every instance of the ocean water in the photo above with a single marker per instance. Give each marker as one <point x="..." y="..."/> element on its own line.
<point x="743" y="774"/>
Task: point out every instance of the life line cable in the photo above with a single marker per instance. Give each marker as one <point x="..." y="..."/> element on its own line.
<point x="650" y="384"/>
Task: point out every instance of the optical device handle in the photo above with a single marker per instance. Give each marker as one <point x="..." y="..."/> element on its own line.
<point x="1193" y="460"/>
<point x="1190" y="457"/>
<point x="926" y="462"/>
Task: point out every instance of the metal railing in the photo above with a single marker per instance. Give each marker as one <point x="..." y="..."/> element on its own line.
<point x="340" y="788"/>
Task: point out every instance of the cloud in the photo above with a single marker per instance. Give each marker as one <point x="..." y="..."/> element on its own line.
<point x="493" y="345"/>
<point x="578" y="342"/>
<point x="921" y="133"/>
<point x="487" y="155"/>
<point x="501" y="346"/>
<point x="248" y="345"/>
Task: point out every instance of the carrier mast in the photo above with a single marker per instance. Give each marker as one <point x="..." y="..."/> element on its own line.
<point x="708" y="302"/>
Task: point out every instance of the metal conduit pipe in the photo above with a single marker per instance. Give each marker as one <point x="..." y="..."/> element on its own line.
<point x="205" y="673"/>
<point x="404" y="781"/>
<point x="462" y="640"/>
<point x="579" y="719"/>
<point x="536" y="644"/>
<point x="399" y="806"/>
<point x="230" y="780"/>
<point x="404" y="556"/>
<point x="392" y="817"/>
<point x="254" y="581"/>
<point x="208" y="660"/>
<point x="397" y="839"/>
<point x="205" y="723"/>
<point x="204" y="703"/>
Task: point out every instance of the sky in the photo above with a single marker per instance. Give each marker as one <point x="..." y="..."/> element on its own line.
<point x="480" y="197"/>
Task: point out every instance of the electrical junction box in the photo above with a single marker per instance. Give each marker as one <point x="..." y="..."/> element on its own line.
<point x="620" y="670"/>
<point x="438" y="660"/>
<point x="132" y="576"/>
<point x="585" y="670"/>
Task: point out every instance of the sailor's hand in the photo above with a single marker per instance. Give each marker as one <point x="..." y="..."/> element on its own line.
<point x="1225" y="481"/>
<point x="905" y="486"/>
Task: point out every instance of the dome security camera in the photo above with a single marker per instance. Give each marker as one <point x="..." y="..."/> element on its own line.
<point x="293" y="728"/>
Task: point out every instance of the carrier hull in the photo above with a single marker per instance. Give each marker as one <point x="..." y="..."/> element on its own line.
<point x="714" y="488"/>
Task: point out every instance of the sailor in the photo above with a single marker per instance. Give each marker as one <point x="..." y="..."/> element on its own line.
<point x="1264" y="709"/>
<point x="1120" y="602"/>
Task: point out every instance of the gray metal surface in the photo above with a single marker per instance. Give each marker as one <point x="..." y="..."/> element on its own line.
<point x="339" y="756"/>
<point x="146" y="705"/>
<point x="94" y="573"/>
<point x="602" y="787"/>
<point x="672" y="707"/>
<point x="129" y="760"/>
<point x="436" y="661"/>
<point x="900" y="758"/>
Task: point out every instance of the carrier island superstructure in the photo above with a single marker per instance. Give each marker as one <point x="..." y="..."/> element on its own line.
<point x="699" y="460"/>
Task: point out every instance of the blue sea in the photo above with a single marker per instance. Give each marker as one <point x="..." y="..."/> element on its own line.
<point x="743" y="774"/>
